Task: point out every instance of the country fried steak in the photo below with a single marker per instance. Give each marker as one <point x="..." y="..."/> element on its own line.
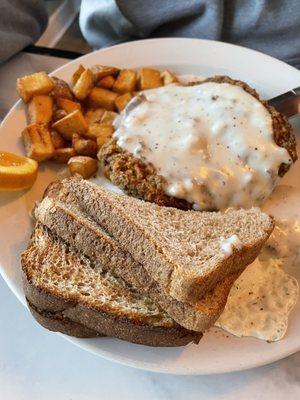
<point x="140" y="179"/>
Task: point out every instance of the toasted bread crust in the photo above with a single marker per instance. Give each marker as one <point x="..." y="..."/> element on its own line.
<point x="56" y="322"/>
<point x="91" y="240"/>
<point x="81" y="321"/>
<point x="111" y="213"/>
<point x="139" y="179"/>
<point x="73" y="317"/>
<point x="76" y="228"/>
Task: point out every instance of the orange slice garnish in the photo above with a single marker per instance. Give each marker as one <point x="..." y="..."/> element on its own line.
<point x="16" y="172"/>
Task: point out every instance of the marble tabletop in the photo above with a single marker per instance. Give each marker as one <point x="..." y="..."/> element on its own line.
<point x="36" y="364"/>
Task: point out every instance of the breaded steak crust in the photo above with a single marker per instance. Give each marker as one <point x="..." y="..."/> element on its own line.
<point x="139" y="179"/>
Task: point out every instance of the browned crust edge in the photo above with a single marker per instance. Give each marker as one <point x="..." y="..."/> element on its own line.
<point x="139" y="179"/>
<point x="135" y="177"/>
<point x="47" y="304"/>
<point x="186" y="289"/>
<point x="56" y="322"/>
<point x="194" y="318"/>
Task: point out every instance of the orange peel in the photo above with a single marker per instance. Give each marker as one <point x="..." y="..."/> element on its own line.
<point x="16" y="172"/>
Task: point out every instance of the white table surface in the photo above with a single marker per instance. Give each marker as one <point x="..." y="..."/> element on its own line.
<point x="39" y="365"/>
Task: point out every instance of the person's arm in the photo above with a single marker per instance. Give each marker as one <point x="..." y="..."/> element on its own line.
<point x="271" y="27"/>
<point x="102" y="23"/>
<point x="21" y="22"/>
<point x="147" y="16"/>
<point x="113" y="21"/>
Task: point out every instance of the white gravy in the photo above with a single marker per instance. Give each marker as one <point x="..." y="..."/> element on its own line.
<point x="227" y="245"/>
<point x="284" y="205"/>
<point x="213" y="143"/>
<point x="260" y="301"/>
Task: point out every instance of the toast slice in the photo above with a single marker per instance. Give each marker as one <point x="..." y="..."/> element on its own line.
<point x="60" y="212"/>
<point x="185" y="252"/>
<point x="69" y="293"/>
<point x="57" y="322"/>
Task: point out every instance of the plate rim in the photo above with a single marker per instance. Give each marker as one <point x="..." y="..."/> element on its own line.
<point x="111" y="357"/>
<point x="179" y="370"/>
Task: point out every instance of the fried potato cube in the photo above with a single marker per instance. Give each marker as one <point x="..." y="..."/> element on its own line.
<point x="126" y="81"/>
<point x="59" y="114"/>
<point x="97" y="129"/>
<point x="57" y="140"/>
<point x="67" y="105"/>
<point x="61" y="89"/>
<point x="83" y="165"/>
<point x="149" y="78"/>
<point x="84" y="147"/>
<point x="99" y="97"/>
<point x="84" y="85"/>
<point x="70" y="124"/>
<point x="94" y="116"/>
<point x="37" y="142"/>
<point x="40" y="109"/>
<point x="100" y="71"/>
<point x="108" y="117"/>
<point x="105" y="132"/>
<point x="122" y="101"/>
<point x="93" y="131"/>
<point x="30" y="85"/>
<point x="63" y="155"/>
<point x="107" y="82"/>
<point x="168" y="78"/>
<point x="77" y="73"/>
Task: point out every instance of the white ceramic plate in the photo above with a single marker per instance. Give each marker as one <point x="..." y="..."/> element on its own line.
<point x="217" y="352"/>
